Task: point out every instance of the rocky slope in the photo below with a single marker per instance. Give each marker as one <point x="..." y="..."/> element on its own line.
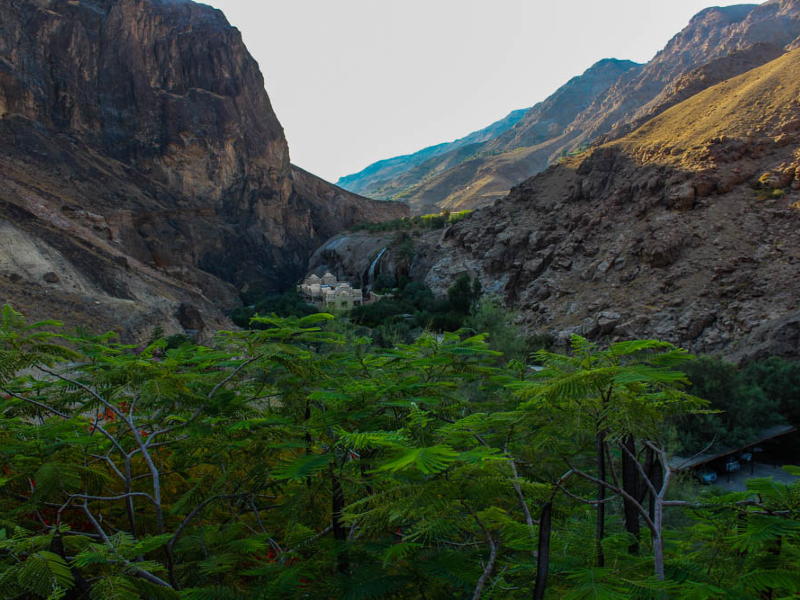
<point x="144" y="177"/>
<point x="441" y="181"/>
<point x="377" y="180"/>
<point x="717" y="44"/>
<point x="687" y="229"/>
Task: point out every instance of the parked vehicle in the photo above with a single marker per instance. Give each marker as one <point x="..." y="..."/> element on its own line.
<point x="706" y="476"/>
<point x="745" y="456"/>
<point x="730" y="465"/>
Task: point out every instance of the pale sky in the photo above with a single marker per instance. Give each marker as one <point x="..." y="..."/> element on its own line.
<point x="355" y="81"/>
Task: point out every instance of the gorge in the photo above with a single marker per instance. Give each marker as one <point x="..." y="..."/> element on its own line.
<point x="144" y="177"/>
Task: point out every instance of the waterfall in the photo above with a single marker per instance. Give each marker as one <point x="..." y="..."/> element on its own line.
<point x="371" y="272"/>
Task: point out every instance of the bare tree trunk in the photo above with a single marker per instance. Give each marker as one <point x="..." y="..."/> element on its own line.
<point x="543" y="559"/>
<point x="81" y="587"/>
<point x="487" y="571"/>
<point x="601" y="495"/>
<point x="129" y="500"/>
<point x="657" y="480"/>
<point x="630" y="483"/>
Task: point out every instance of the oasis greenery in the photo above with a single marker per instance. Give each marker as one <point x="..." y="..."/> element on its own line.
<point x="298" y="460"/>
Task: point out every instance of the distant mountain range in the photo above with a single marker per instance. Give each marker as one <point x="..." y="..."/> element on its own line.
<point x="607" y="101"/>
<point x="372" y="178"/>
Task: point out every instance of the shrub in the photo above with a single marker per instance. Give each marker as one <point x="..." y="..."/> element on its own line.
<point x="288" y="304"/>
<point x="490" y="316"/>
<point x="431" y="221"/>
<point x="384" y="283"/>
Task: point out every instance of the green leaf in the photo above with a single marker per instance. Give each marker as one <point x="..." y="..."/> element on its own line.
<point x="315" y="319"/>
<point x="152" y="590"/>
<point x="43" y="570"/>
<point x="114" y="587"/>
<point x="428" y="460"/>
<point x="303" y="467"/>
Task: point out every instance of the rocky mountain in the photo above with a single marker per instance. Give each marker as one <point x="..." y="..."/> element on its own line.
<point x="718" y="43"/>
<point x="439" y="180"/>
<point x="686" y="229"/>
<point x="144" y="177"/>
<point x="375" y="181"/>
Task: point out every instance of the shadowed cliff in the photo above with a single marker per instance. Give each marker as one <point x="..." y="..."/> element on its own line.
<point x="141" y="162"/>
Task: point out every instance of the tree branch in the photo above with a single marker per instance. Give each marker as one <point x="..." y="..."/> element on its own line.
<point x="85" y="388"/>
<point x="34" y="402"/>
<point x="487" y="571"/>
<point x="619" y="491"/>
<point x="202" y="407"/>
<point x="112" y="498"/>
<point x="640" y="468"/>
<point x="311" y="540"/>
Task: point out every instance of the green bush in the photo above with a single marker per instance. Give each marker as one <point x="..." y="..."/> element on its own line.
<point x="288" y="304"/>
<point x="463" y="293"/>
<point x="490" y="316"/>
<point x="431" y="221"/>
<point x="414" y="306"/>
<point x="384" y="283"/>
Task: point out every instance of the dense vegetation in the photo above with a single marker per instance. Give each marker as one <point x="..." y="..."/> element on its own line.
<point x="430" y="221"/>
<point x="299" y="461"/>
<point x="742" y="408"/>
<point x="413" y="306"/>
<point x="288" y="304"/>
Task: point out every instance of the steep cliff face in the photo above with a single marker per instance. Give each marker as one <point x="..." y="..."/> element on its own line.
<point x="140" y="132"/>
<point x="718" y="43"/>
<point x="687" y="229"/>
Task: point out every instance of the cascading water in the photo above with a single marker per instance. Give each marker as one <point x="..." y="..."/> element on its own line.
<point x="371" y="272"/>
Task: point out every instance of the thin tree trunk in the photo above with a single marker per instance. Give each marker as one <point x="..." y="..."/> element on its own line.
<point x="129" y="500"/>
<point x="487" y="571"/>
<point x="543" y="559"/>
<point x="658" y="541"/>
<point x="630" y="483"/>
<point x="601" y="494"/>
<point x="776" y="551"/>
<point x="339" y="531"/>
<point x="649" y="461"/>
<point x="81" y="587"/>
<point x="657" y="479"/>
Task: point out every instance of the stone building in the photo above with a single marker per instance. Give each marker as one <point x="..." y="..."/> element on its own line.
<point x="328" y="292"/>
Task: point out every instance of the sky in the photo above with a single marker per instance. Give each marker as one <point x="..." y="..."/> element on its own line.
<point x="356" y="81"/>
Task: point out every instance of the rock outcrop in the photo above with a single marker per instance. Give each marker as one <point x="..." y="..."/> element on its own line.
<point x="142" y="163"/>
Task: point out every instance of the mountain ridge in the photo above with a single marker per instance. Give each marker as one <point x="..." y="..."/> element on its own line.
<point x="371" y="179"/>
<point x="638" y="94"/>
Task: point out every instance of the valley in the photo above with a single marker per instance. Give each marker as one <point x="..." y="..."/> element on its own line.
<point x="556" y="357"/>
